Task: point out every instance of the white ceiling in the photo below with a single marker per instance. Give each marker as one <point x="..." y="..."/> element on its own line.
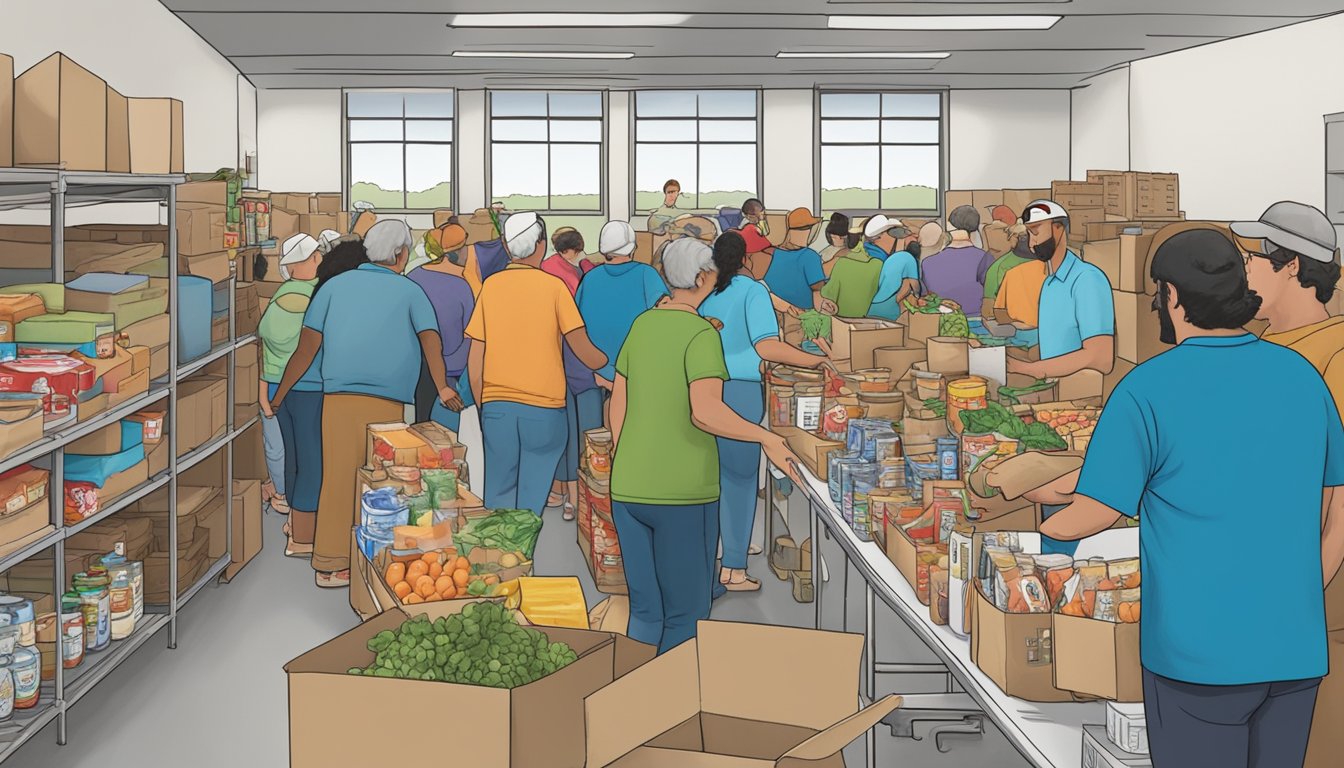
<point x="408" y="43"/>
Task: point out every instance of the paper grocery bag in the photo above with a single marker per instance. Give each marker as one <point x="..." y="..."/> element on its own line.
<point x="1028" y="471"/>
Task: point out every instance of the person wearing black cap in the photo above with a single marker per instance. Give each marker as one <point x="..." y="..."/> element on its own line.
<point x="1293" y="265"/>
<point x="1230" y="672"/>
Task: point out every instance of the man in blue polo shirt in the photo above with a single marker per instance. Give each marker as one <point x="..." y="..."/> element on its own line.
<point x="1077" y="313"/>
<point x="1231" y="665"/>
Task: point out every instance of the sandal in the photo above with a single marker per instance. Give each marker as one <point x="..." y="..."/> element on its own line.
<point x="747" y="584"/>
<point x="555" y="500"/>
<point x="279" y="505"/>
<point x="755" y="549"/>
<point x="568" y="514"/>
<point x="334" y="579"/>
<point x="295" y="549"/>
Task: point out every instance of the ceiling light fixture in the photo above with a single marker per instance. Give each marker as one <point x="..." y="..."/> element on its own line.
<point x="568" y="19"/>
<point x="541" y="55"/>
<point x="942" y="23"/>
<point x="861" y="55"/>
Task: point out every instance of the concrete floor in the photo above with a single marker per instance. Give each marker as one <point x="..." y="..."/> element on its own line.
<point x="220" y="699"/>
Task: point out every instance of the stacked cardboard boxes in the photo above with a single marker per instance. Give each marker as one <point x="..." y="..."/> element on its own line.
<point x="202" y="224"/>
<point x="6" y="110"/>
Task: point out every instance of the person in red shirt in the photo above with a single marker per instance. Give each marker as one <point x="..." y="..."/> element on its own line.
<point x="754" y="229"/>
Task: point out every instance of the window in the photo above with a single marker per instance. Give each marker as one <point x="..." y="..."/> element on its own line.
<point x="706" y="140"/>
<point x="546" y="151"/>
<point x="400" y="149"/>
<point x="881" y="151"/>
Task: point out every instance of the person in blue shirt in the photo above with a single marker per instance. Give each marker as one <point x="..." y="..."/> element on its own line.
<point x="1077" y="312"/>
<point x="373" y="327"/>
<point x="612" y="295"/>
<point x="900" y="274"/>
<point x="793" y="270"/>
<point x="750" y="334"/>
<point x="1196" y="444"/>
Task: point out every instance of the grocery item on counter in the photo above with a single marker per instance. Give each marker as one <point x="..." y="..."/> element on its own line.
<point x="73" y="629"/>
<point x="483" y="645"/>
<point x="807" y="402"/>
<point x="963" y="396"/>
<point x="837" y="459"/>
<point x="946" y="448"/>
<point x="919" y="469"/>
<point x="781" y="405"/>
<point x="383" y="509"/>
<point x="509" y="530"/>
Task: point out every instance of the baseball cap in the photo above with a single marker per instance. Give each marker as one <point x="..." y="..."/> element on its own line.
<point x="519" y="223"/>
<point x="617" y="238"/>
<point x="297" y="249"/>
<point x="879" y="224"/>
<point x="450" y="236"/>
<point x="1295" y="226"/>
<point x="1004" y="214"/>
<point x="1043" y="210"/>
<point x="801" y="218"/>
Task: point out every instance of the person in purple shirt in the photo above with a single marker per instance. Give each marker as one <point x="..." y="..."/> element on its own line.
<point x="958" y="271"/>
<point x="453" y="304"/>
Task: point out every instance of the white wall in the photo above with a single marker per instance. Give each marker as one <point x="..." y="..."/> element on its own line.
<point x="299" y="140"/>
<point x="141" y="49"/>
<point x="1100" y="112"/>
<point x="1240" y="120"/>
<point x="788" y="146"/>
<point x="1011" y="139"/>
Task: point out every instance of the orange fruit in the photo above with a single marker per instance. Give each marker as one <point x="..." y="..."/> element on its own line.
<point x="1135" y="611"/>
<point x="424" y="586"/>
<point x="416" y="570"/>
<point x="402" y="589"/>
<point x="433" y="597"/>
<point x="461" y="578"/>
<point x="443" y="584"/>
<point x="461" y="564"/>
<point x="1123" y="613"/>
<point x="430" y="557"/>
<point x="395" y="572"/>
<point x="435" y="570"/>
<point x="413" y="599"/>
<point x="491" y="579"/>
<point x="449" y="592"/>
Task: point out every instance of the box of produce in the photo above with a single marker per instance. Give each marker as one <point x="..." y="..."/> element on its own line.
<point x="443" y="442"/>
<point x="394" y="443"/>
<point x="516" y="692"/>
<point x="1096" y="628"/>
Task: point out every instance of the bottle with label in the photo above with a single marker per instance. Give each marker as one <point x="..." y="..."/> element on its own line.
<point x="95" y="598"/>
<point x="121" y="593"/>
<point x="27" y="670"/>
<point x="72" y="630"/>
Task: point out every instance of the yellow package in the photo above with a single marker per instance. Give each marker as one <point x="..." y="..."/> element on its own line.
<point x="547" y="601"/>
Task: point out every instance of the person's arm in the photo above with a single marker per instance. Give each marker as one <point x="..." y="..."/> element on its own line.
<point x="1097" y="354"/>
<point x="783" y="307"/>
<point x="1059" y="491"/>
<point x="909" y="287"/>
<point x="987" y="310"/>
<point x="310" y="341"/>
<point x="711" y="414"/>
<point x="1084" y="517"/>
<point x="476" y="369"/>
<point x="431" y="346"/>
<point x="584" y="349"/>
<point x="264" y="398"/>
<point x="616" y="417"/>
<point x="1332" y="534"/>
<point x="775" y="351"/>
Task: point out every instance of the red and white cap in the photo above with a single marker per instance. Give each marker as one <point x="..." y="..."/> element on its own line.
<point x="1043" y="210"/>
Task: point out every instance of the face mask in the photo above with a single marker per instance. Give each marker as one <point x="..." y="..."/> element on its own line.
<point x="1168" y="334"/>
<point x="1022" y="248"/>
<point x="1044" y="251"/>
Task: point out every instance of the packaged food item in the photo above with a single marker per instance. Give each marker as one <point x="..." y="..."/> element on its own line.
<point x="836" y="460"/>
<point x="864" y="478"/>
<point x="27" y="669"/>
<point x="72" y="630"/>
<point x="1127" y="603"/>
<point x="599" y="453"/>
<point x="781" y="404"/>
<point x="917" y="470"/>
<point x="807" y="399"/>
<point x="95" y="600"/>
<point x="1106" y="605"/>
<point x="18" y="612"/>
<point x="926" y="561"/>
<point x="891" y="474"/>
<point x="1125" y="573"/>
<point x="947" y="457"/>
<point x="968" y="394"/>
<point x="886" y="446"/>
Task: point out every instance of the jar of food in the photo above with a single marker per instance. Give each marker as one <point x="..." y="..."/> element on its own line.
<point x="928" y="386"/>
<point x="20" y="613"/>
<point x="96" y="602"/>
<point x="889" y="406"/>
<point x="837" y="459"/>
<point x="968" y="394"/>
<point x="807" y="406"/>
<point x="72" y="630"/>
<point x="873" y="380"/>
<point x="27" y="669"/>
<point x="781" y="405"/>
<point x="9" y="637"/>
<point x="599" y="454"/>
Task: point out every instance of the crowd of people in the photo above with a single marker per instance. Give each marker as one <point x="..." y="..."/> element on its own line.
<point x="671" y="359"/>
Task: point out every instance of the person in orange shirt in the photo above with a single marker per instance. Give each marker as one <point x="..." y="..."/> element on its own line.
<point x="522" y="319"/>
<point x="1292" y="263"/>
<point x="1019" y="299"/>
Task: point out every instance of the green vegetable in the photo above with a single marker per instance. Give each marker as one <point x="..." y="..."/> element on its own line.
<point x="954" y="324"/>
<point x="1014" y="394"/>
<point x="1035" y="436"/>
<point x="815" y="325"/>
<point x="928" y="304"/>
<point x="510" y="530"/>
<point x="938" y="407"/>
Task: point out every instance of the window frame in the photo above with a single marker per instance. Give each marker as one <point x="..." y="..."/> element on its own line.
<point x="943" y="134"/>
<point x="602" y="145"/>
<point x="346" y="144"/>
<point x="759" y="141"/>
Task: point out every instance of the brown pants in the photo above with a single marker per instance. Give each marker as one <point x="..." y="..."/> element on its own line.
<point x="345" y="421"/>
<point x="302" y="526"/>
<point x="1327" y="724"/>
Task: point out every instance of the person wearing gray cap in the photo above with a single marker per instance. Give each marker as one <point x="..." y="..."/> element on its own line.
<point x="1293" y="264"/>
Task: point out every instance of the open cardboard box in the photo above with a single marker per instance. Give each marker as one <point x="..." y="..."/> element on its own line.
<point x="735" y="697"/>
<point x="855" y="339"/>
<point x="1098" y="658"/>
<point x="811" y="448"/>
<point x="336" y="718"/>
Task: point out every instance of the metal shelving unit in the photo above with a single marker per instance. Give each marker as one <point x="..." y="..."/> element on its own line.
<point x="56" y="190"/>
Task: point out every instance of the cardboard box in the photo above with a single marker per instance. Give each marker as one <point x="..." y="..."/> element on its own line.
<point x="313" y="223"/>
<point x="920" y="326"/>
<point x="855" y="339"/>
<point x="20" y="421"/>
<point x="153" y="332"/>
<point x="122" y="483"/>
<point x="284" y="224"/>
<point x="1136" y="195"/>
<point x="6" y="110"/>
<point x="441" y="216"/>
<point x="21" y="487"/>
<point x="1109" y="230"/>
<point x="1097" y="658"/>
<point x="214" y="518"/>
<point x="215" y="267"/>
<point x="1080" y="386"/>
<point x="60" y="116"/>
<point x="1123" y="259"/>
<point x="103" y="442"/>
<point x="1015" y="650"/>
<point x="723" y="700"/>
<point x="247" y="525"/>
<point x="118" y="133"/>
<point x="249" y="455"/>
<point x="246" y="374"/>
<point x="1082" y="217"/>
<point x="540" y="725"/>
<point x="1098" y="752"/>
<point x="202" y="410"/>
<point x="395" y="444"/>
<point x="1019" y="199"/>
<point x="330" y="203"/>
<point x="812" y="449"/>
<point x="156" y="135"/>
<point x="24" y="526"/>
<point x="200" y="229"/>
<point x="899" y="359"/>
<point x="1137" y="327"/>
<point x="1077" y="194"/>
<point x="209" y="192"/>
<point x="948" y="355"/>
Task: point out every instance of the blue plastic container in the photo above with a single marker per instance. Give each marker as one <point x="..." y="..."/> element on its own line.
<point x="195" y="299"/>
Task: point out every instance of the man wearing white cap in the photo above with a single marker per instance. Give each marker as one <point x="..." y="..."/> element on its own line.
<point x="612" y="295"/>
<point x="326" y="239"/>
<point x="1077" y="312"/>
<point x="1293" y="265"/>
<point x="372" y="326"/>
<point x="517" y="372"/>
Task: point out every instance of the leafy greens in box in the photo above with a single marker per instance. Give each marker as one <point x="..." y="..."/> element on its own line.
<point x="1035" y="436"/>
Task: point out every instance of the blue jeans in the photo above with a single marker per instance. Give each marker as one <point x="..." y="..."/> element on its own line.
<point x="1263" y="725"/>
<point x="663" y="547"/>
<point x="582" y="413"/>
<point x="300" y="418"/>
<point x="739" y="474"/>
<point x="274" y="443"/>
<point x="523" y="445"/>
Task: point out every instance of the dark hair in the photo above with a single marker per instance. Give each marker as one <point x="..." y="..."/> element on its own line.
<point x="965" y="218"/>
<point x="1210" y="276"/>
<point x="730" y="252"/>
<point x="752" y="203"/>
<point x="852" y="239"/>
<point x="342" y="258"/>
<point x="1323" y="276"/>
<point x="839" y="225"/>
<point x="670" y="183"/>
<point x="569" y="240"/>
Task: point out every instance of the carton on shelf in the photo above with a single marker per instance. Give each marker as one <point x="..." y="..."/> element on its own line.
<point x="1137" y="327"/>
<point x="200" y="228"/>
<point x="6" y="110"/>
<point x="24" y="527"/>
<point x="855" y="339"/>
<point x="724" y="700"/>
<point x="246" y="373"/>
<point x="540" y="725"/>
<point x="118" y="133"/>
<point x="214" y="519"/>
<point x="247" y="522"/>
<point x="210" y="192"/>
<point x="329" y="203"/>
<point x="156" y="135"/>
<point x="215" y="266"/>
<point x="284" y="224"/>
<point x="202" y="410"/>
<point x="60" y="116"/>
<point x="313" y="223"/>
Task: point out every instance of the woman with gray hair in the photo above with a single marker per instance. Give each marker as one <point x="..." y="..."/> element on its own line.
<point x="666" y="409"/>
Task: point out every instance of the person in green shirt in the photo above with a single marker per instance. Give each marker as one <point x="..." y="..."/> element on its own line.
<point x="1000" y="241"/>
<point x="666" y="409"/>
<point x="666" y="213"/>
<point x="854" y="278"/>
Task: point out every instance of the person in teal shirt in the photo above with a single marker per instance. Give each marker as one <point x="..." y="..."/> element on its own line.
<point x="794" y="272"/>
<point x="1230" y="675"/>
<point x="899" y="279"/>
